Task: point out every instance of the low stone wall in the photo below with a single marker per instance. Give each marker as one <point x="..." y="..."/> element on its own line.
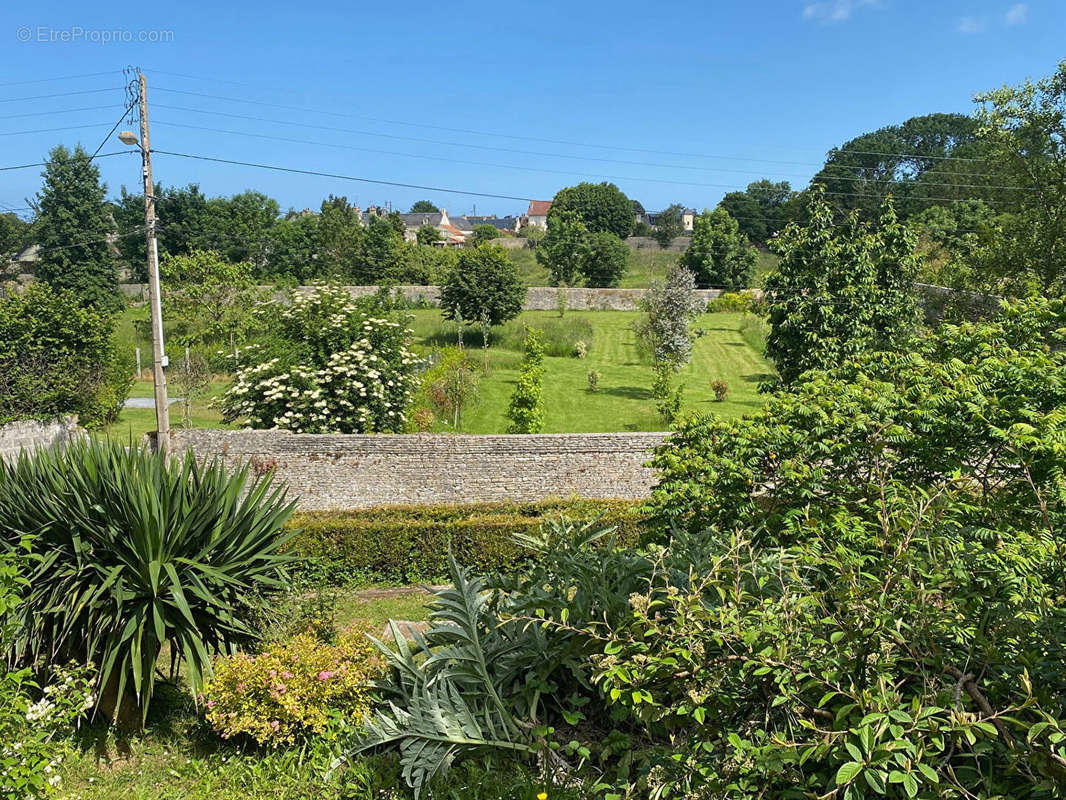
<point x="538" y="298"/>
<point x="31" y="434"/>
<point x="334" y="472"/>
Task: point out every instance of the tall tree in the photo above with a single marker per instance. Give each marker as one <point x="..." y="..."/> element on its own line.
<point x="839" y="290"/>
<point x="239" y="227"/>
<point x="14" y="234"/>
<point x="340" y="237"/>
<point x="604" y="259"/>
<point x="181" y="214"/>
<point x="560" y="249"/>
<point x="424" y="207"/>
<point x="1025" y="128"/>
<point x="669" y="224"/>
<point x="599" y="206"/>
<point x="720" y="256"/>
<point x="73" y="227"/>
<point x="290" y="252"/>
<point x="484" y="283"/>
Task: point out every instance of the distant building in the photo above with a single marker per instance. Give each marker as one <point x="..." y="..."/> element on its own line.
<point x="502" y="224"/>
<point x="537" y="214"/>
<point x="452" y="235"/>
<point x="688" y="216"/>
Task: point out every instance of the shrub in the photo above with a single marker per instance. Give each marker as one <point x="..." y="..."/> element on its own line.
<point x="409" y="544"/>
<point x="330" y="368"/>
<point x="594" y="380"/>
<point x="526" y="411"/>
<point x="581" y="349"/>
<point x="667" y="398"/>
<point x="291" y="690"/>
<point x="484" y="281"/>
<point x="451" y="385"/>
<point x="57" y="357"/>
<point x="154" y="553"/>
<point x="423" y="419"/>
<point x="720" y="388"/>
<point x="604" y="259"/>
<point x="735" y="302"/>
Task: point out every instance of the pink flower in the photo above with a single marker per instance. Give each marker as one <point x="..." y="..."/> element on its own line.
<point x="274" y="724"/>
<point x="286" y="674"/>
<point x="210" y="703"/>
<point x="324" y="675"/>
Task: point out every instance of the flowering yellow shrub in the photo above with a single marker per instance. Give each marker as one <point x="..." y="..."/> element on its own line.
<point x="292" y="689"/>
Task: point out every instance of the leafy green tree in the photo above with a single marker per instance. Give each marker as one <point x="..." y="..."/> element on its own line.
<point x="239" y="227"/>
<point x="719" y="255"/>
<point x="59" y="357"/>
<point x="482" y="234"/>
<point x="427" y="235"/>
<point x="424" y="207"/>
<point x="604" y="259"/>
<point x="751" y="220"/>
<point x="669" y="225"/>
<point x="560" y="249"/>
<point x="526" y="410"/>
<point x="483" y="282"/>
<point x="669" y="307"/>
<point x="839" y="290"/>
<point x="340" y="238"/>
<point x="291" y="247"/>
<point x="209" y="300"/>
<point x="72" y="228"/>
<point x="599" y="206"/>
<point x="383" y="254"/>
<point x="1024" y="128"/>
<point x="14" y="234"/>
<point x="182" y="225"/>
<point x="900" y="160"/>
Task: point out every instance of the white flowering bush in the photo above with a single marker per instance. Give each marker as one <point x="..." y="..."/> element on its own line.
<point x="30" y="718"/>
<point x="333" y="366"/>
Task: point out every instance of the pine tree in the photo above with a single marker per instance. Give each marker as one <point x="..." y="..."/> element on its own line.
<point x="73" y="226"/>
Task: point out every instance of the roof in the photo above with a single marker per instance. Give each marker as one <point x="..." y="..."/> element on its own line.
<point x="418" y="220"/>
<point x="499" y="223"/>
<point x="539" y="208"/>
<point x="463" y="224"/>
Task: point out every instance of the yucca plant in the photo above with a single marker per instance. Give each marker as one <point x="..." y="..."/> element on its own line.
<point x="132" y="554"/>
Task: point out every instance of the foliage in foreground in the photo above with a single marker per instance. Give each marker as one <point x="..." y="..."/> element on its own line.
<point x="57" y="357"/>
<point x="291" y="690"/>
<point x="331" y="366"/>
<point x="130" y="554"/>
<point x="856" y="593"/>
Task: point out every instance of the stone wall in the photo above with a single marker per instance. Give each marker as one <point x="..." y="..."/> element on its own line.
<point x="329" y="472"/>
<point x="538" y="298"/>
<point x="31" y="434"/>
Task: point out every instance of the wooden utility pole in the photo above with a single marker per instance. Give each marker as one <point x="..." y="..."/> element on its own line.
<point x="159" y="358"/>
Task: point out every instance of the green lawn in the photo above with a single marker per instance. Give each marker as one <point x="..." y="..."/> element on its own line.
<point x="729" y="349"/>
<point x="624" y="401"/>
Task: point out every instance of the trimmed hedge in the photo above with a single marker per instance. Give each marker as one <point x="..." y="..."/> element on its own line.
<point x="409" y="544"/>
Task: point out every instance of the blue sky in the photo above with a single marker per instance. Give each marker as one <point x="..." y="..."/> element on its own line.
<point x="673" y="102"/>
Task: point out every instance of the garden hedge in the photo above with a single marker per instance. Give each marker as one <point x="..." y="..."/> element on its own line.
<point x="409" y="544"/>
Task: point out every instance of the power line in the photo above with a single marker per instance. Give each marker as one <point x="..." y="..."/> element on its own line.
<point x="45" y="163"/>
<point x="298" y="171"/>
<point x="52" y="130"/>
<point x="139" y="231"/>
<point x="543" y="154"/>
<point x="60" y="94"/>
<point x="61" y="78"/>
<point x="538" y="170"/>
<point x="60" y="111"/>
<point x="469" y="131"/>
<point x="114" y="128"/>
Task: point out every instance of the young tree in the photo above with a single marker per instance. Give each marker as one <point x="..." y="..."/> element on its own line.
<point x="599" y="206"/>
<point x="603" y="259"/>
<point x="669" y="224"/>
<point x="526" y="410"/>
<point x="560" y="249"/>
<point x="451" y="385"/>
<point x="209" y="300"/>
<point x="73" y="225"/>
<point x="719" y="255"/>
<point x="669" y="306"/>
<point x="839" y="290"/>
<point x="424" y="207"/>
<point x="483" y="281"/>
